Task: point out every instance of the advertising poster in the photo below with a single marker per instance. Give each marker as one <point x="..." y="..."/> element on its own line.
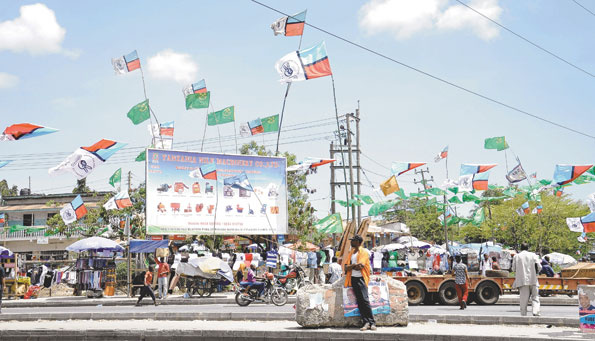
<point x="377" y="294"/>
<point x="586" y="307"/>
<point x="204" y="193"/>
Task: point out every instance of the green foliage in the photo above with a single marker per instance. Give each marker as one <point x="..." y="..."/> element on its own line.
<point x="8" y="191"/>
<point x="81" y="187"/>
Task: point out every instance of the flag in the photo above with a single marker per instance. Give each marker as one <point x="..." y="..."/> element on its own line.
<point x="539" y="209"/>
<point x="330" y="224"/>
<point x="140" y="112"/>
<point x="466" y="183"/>
<point x="436" y="191"/>
<point x="270" y="124"/>
<point x="199" y="100"/>
<point x="517" y="174"/>
<point x="558" y="191"/>
<point x="455" y="200"/>
<point x="479" y="217"/>
<point x="116" y="177"/>
<point x="2" y="218"/>
<point x="365" y="198"/>
<point x="222" y="116"/>
<point x="583" y="224"/>
<point x="389" y="186"/>
<point x="195" y="88"/>
<point x="24" y="131"/>
<point x="520" y="212"/>
<point x="166" y="129"/>
<point x="565" y="174"/>
<point x="85" y="159"/>
<point x="473" y="169"/>
<point x="399" y="168"/>
<point x="306" y="64"/>
<point x="245" y="130"/>
<point x="4" y="163"/>
<point x="468" y="197"/>
<point x="480" y="181"/>
<point x="380" y="207"/>
<point x="591" y="202"/>
<point x="533" y="175"/>
<point x="127" y="63"/>
<point x="442" y="155"/>
<point x="207" y="171"/>
<point x="309" y="163"/>
<point x="141" y="157"/>
<point x="255" y="127"/>
<point x="73" y="211"/>
<point x="119" y="201"/>
<point x="498" y="143"/>
<point x="239" y="181"/>
<point x="526" y="208"/>
<point x="79" y="207"/>
<point x="291" y="25"/>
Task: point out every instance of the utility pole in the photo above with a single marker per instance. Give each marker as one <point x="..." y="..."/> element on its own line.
<point x="129" y="182"/>
<point x="350" y="160"/>
<point x="423" y="181"/>
<point x="332" y="156"/>
<point x="357" y="160"/>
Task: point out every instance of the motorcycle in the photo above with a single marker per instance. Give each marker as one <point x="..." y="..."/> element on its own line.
<point x="271" y="293"/>
<point x="295" y="279"/>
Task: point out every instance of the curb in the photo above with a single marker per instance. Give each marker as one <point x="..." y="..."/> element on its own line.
<point x="297" y="334"/>
<point x="257" y="316"/>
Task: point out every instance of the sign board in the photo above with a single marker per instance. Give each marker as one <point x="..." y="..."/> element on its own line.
<point x="194" y="193"/>
<point x="586" y="307"/>
<point x="43" y="240"/>
<point x="377" y="295"/>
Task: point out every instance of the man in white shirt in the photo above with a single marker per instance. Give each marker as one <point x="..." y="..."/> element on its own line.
<point x="526" y="266"/>
<point x="335" y="270"/>
<point x="486" y="264"/>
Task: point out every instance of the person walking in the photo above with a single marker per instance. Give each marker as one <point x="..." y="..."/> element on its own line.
<point x="146" y="290"/>
<point x="357" y="276"/>
<point x="526" y="266"/>
<point x="461" y="279"/>
<point x="335" y="270"/>
<point x="162" y="275"/>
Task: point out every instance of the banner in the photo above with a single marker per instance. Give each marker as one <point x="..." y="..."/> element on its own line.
<point x="377" y="295"/>
<point x="182" y="200"/>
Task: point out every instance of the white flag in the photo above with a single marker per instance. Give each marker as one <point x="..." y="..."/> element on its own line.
<point x="119" y="65"/>
<point x="290" y="68"/>
<point x="68" y="215"/>
<point x="279" y="26"/>
<point x="466" y="183"/>
<point x="154" y="130"/>
<point x="80" y="163"/>
<point x="575" y="224"/>
<point x="188" y="91"/>
<point x="517" y="174"/>
<point x="245" y="130"/>
<point x="591" y="201"/>
<point x="162" y="143"/>
<point x="111" y="204"/>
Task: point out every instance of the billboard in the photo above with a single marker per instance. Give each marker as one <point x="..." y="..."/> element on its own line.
<point x="206" y="193"/>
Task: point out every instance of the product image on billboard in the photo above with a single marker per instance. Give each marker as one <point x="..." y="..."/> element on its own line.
<point x="205" y="193"/>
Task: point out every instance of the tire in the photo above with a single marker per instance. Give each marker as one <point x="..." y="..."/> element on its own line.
<point x="279" y="297"/>
<point x="241" y="301"/>
<point x="487" y="293"/>
<point x="447" y="295"/>
<point x="470" y="298"/>
<point x="430" y="298"/>
<point x="416" y="293"/>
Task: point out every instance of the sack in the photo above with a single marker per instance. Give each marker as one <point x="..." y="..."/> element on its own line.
<point x="109" y="291"/>
<point x="161" y="252"/>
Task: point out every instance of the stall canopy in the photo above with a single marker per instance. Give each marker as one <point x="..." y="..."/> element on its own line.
<point x="95" y="244"/>
<point x="388" y="228"/>
<point x="561" y="259"/>
<point x="147" y="246"/>
<point x="5" y="253"/>
<point x="301" y="246"/>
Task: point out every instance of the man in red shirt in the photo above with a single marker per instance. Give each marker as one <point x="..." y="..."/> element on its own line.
<point x="162" y="275"/>
<point x="146" y="289"/>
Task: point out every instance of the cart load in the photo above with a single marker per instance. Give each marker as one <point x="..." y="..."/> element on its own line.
<point x="202" y="274"/>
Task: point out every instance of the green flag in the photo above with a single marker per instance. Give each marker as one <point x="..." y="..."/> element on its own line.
<point x="330" y="224"/>
<point x="418" y="195"/>
<point x="380" y="207"/>
<point x="401" y="194"/>
<point x="198" y="101"/>
<point x="467" y="197"/>
<point x="16" y="228"/>
<point x="495" y="187"/>
<point x="479" y="217"/>
<point x="453" y="220"/>
<point x="34" y="229"/>
<point x="270" y="123"/>
<point x="455" y="200"/>
<point x="454" y="190"/>
<point x="432" y="202"/>
<point x="222" y="116"/>
<point x="140" y="112"/>
<point x="116" y="177"/>
<point x="592" y="170"/>
<point x="511" y="192"/>
<point x="498" y="143"/>
<point x="436" y="191"/>
<point x="142" y="156"/>
<point x="365" y="198"/>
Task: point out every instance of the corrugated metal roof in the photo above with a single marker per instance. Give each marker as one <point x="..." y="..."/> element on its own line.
<point x="39" y="207"/>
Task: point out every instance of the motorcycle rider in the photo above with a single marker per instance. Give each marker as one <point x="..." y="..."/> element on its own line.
<point x="251" y="280"/>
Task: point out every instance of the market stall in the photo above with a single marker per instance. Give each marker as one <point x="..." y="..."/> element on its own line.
<point x="16" y="285"/>
<point x="95" y="267"/>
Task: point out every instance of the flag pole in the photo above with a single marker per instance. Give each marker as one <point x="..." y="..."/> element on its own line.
<point x="204" y="134"/>
<point x="281" y="118"/>
<point x="216" y="207"/>
<point x="235" y="132"/>
<point x="342" y="154"/>
<point x="446" y="164"/>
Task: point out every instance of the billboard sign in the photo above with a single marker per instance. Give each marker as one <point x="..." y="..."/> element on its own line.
<point x="194" y="193"/>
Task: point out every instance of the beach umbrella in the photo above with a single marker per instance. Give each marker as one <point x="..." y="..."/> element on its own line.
<point x="95" y="244"/>
<point x="392" y="247"/>
<point x="5" y="253"/>
<point x="561" y="259"/>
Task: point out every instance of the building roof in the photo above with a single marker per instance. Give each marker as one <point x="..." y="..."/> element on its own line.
<point x="42" y="199"/>
<point x="39" y="207"/>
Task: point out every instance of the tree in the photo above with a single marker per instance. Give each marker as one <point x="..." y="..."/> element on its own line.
<point x="300" y="212"/>
<point x="8" y="191"/>
<point x="81" y="187"/>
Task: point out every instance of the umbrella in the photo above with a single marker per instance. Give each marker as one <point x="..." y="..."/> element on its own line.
<point x="96" y="244"/>
<point x="561" y="259"/>
<point x="419" y="245"/>
<point x="5" y="253"/>
<point x="299" y="245"/>
<point x="392" y="247"/>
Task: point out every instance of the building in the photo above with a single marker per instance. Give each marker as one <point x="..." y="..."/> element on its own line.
<point x="33" y="211"/>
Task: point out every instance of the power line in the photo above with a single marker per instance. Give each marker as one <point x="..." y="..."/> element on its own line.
<point x="525" y="39"/>
<point x="434" y="77"/>
<point x="585" y="8"/>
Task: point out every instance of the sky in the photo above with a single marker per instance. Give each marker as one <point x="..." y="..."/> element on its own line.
<point x="55" y="71"/>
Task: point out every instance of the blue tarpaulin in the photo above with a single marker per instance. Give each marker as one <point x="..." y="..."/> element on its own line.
<point x="147" y="246"/>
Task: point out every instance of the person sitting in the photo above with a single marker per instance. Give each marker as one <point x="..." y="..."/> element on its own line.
<point x="495" y="264"/>
<point x="546" y="268"/>
<point x="251" y="280"/>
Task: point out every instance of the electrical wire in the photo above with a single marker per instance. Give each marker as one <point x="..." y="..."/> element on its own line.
<point x="583" y="7"/>
<point x="525" y="39"/>
<point x="460" y="87"/>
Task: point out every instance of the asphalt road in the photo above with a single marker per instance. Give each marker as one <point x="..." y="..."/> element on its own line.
<point x="492" y="310"/>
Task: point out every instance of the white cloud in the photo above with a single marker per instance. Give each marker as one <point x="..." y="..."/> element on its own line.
<point x="64" y="102"/>
<point x="35" y="31"/>
<point x="170" y="65"/>
<point x="8" y="80"/>
<point x="404" y="18"/>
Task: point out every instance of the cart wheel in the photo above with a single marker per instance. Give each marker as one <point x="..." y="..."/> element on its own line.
<point x="487" y="293"/>
<point x="416" y="293"/>
<point x="448" y="294"/>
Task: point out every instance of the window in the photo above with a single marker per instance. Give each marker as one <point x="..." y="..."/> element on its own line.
<point x="28" y="219"/>
<point x="50" y="215"/>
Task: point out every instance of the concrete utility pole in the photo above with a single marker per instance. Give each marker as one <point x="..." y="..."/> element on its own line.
<point x="350" y="160"/>
<point x="129" y="182"/>
<point x="332" y="156"/>
<point x="357" y="160"/>
<point x="423" y="181"/>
